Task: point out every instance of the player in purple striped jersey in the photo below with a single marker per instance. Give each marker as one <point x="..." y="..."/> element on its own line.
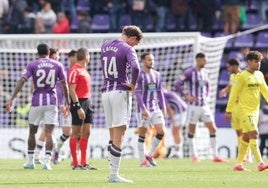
<point x="197" y="96"/>
<point x="117" y="59"/>
<point x="176" y="111"/>
<point x="44" y="72"/>
<point x="151" y="108"/>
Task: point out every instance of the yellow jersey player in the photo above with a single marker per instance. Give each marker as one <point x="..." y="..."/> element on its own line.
<point x="250" y="83"/>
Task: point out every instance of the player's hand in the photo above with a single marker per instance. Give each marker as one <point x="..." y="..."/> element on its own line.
<point x="222" y="93"/>
<point x="9" y="105"/>
<point x="190" y="98"/>
<point x="228" y="116"/>
<point x="131" y="86"/>
<point x="145" y="114"/>
<point x="81" y="114"/>
<point x="65" y="110"/>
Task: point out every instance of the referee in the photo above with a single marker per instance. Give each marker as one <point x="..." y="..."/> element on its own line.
<point x="79" y="82"/>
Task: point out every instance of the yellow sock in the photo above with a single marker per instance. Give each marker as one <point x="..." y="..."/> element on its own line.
<point x="242" y="151"/>
<point x="253" y="143"/>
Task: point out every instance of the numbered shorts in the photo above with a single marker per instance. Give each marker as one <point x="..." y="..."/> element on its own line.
<point x="45" y="114"/>
<point x="180" y="119"/>
<point x="199" y="113"/>
<point x="249" y="121"/>
<point x="117" y="108"/>
<point x="155" y="118"/>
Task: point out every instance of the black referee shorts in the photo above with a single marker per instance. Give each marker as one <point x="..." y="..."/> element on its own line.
<point x="87" y="107"/>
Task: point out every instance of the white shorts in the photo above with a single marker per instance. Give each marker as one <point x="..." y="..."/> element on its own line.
<point x="156" y="117"/>
<point x="65" y="121"/>
<point x="117" y="108"/>
<point x="180" y="119"/>
<point x="45" y="114"/>
<point x="199" y="113"/>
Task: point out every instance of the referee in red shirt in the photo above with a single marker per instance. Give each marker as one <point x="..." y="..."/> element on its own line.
<point x="79" y="81"/>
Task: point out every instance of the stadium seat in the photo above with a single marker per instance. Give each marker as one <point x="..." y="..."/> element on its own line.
<point x="253" y="20"/>
<point x="220" y="121"/>
<point x="224" y="77"/>
<point x="126" y="20"/>
<point x="206" y="34"/>
<point x="74" y="25"/>
<point x="262" y="40"/>
<point x="244" y="41"/>
<point x="150" y="23"/>
<point x="233" y="54"/>
<point x="100" y="23"/>
<point x="171" y="24"/>
<point x="83" y="5"/>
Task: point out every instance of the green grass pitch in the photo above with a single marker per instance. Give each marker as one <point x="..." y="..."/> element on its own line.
<point x="169" y="173"/>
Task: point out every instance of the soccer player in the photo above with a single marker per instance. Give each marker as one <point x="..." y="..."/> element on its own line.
<point x="233" y="66"/>
<point x="250" y="83"/>
<point x="176" y="111"/>
<point x="45" y="73"/>
<point x="151" y="108"/>
<point x="81" y="109"/>
<point x="65" y="121"/>
<point x="197" y="96"/>
<point x="117" y="58"/>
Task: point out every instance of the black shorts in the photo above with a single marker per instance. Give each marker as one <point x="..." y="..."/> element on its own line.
<point x="87" y="107"/>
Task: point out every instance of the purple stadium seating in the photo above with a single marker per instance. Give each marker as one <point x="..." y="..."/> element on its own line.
<point x="126" y="20"/>
<point x="220" y="121"/>
<point x="224" y="77"/>
<point x="244" y="41"/>
<point x="262" y="40"/>
<point x="100" y="23"/>
<point x="83" y="5"/>
<point x="253" y="20"/>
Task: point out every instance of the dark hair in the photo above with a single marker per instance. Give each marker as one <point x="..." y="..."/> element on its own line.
<point x="81" y="53"/>
<point x="133" y="30"/>
<point x="42" y="49"/>
<point x="233" y="61"/>
<point x="52" y="51"/>
<point x="144" y="55"/>
<point x="200" y="55"/>
<point x="254" y="55"/>
<point x="72" y="53"/>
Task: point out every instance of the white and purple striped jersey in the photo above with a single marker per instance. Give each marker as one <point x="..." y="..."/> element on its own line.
<point x="45" y="73"/>
<point x="197" y="85"/>
<point x="149" y="92"/>
<point x="175" y="102"/>
<point x="117" y="60"/>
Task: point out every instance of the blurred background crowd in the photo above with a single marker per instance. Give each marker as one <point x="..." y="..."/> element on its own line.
<point x="92" y="16"/>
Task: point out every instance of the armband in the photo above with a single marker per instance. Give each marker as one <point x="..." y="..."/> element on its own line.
<point x="76" y="105"/>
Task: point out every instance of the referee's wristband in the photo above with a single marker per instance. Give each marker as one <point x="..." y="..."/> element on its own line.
<point x="76" y="105"/>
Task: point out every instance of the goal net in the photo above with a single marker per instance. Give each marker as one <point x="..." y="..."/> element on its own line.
<point x="173" y="52"/>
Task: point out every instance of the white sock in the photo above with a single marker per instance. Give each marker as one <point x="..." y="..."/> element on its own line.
<point x="47" y="157"/>
<point x="213" y="145"/>
<point x="39" y="147"/>
<point x="141" y="149"/>
<point x="115" y="159"/>
<point x="192" y="147"/>
<point x="154" y="145"/>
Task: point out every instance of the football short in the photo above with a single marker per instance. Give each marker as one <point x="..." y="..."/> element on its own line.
<point x="117" y="108"/>
<point x="199" y="113"/>
<point x="87" y="107"/>
<point x="249" y="122"/>
<point x="180" y="119"/>
<point x="235" y="122"/>
<point x="48" y="115"/>
<point x="156" y="117"/>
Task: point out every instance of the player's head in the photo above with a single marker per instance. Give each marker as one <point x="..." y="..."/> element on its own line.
<point x="201" y="59"/>
<point x="233" y="65"/>
<point x="42" y="49"/>
<point x="54" y="54"/>
<point x="82" y="55"/>
<point x="148" y="60"/>
<point x="72" y="57"/>
<point x="254" y="60"/>
<point x="133" y="34"/>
